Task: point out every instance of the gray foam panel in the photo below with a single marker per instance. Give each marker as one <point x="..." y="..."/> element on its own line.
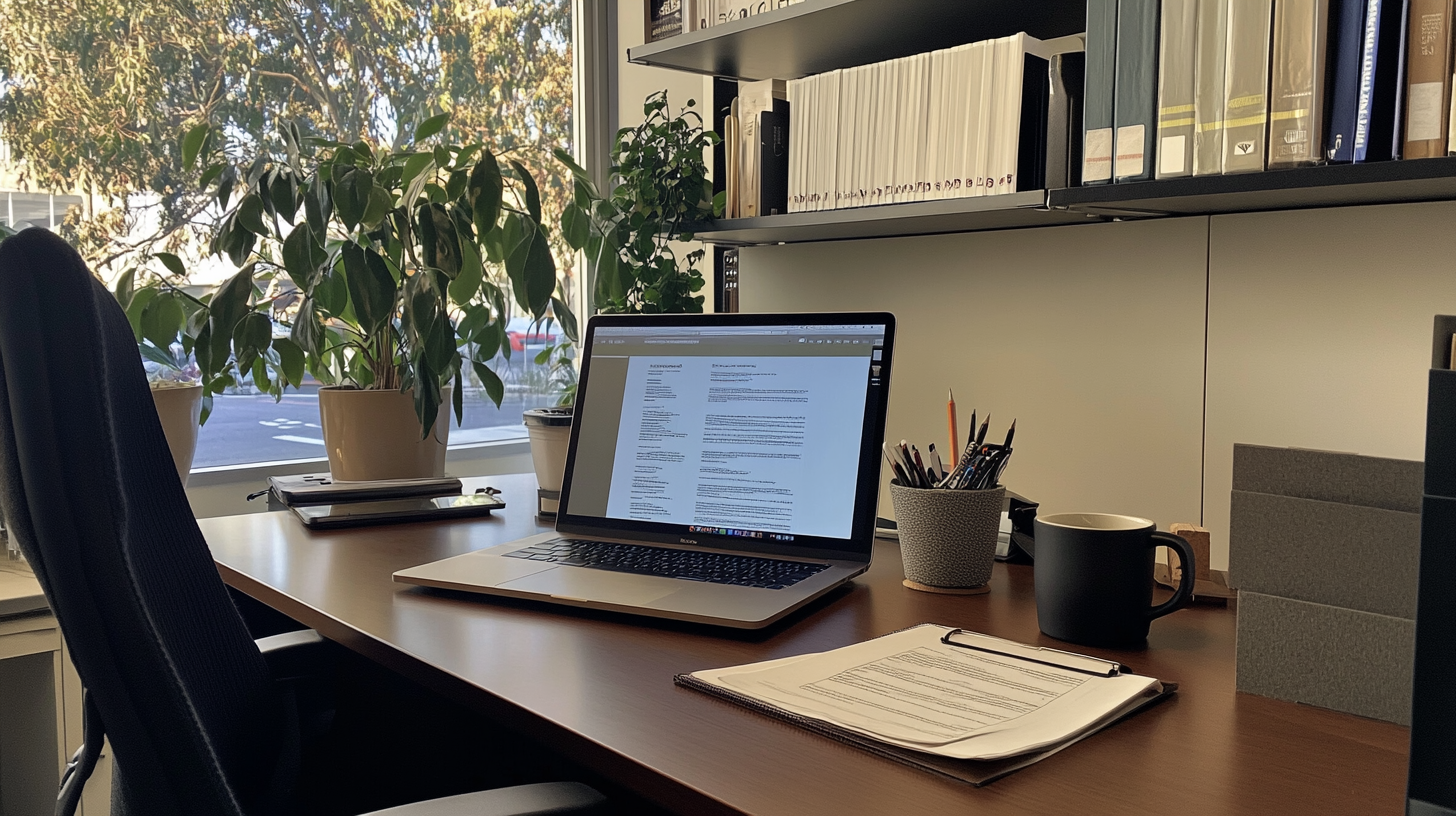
<point x="1345" y="478"/>
<point x="1362" y="558"/>
<point x="1356" y="662"/>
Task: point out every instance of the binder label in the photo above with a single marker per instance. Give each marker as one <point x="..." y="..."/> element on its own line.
<point x="1097" y="155"/>
<point x="1170" y="155"/>
<point x="1131" y="151"/>
<point x="1424" y="120"/>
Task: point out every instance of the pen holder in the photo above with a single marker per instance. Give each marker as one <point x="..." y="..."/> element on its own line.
<point x="947" y="537"/>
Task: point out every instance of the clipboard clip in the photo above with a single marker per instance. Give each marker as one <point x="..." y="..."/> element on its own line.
<point x="1056" y="658"/>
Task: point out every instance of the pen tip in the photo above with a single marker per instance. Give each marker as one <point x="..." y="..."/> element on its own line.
<point x="952" y="395"/>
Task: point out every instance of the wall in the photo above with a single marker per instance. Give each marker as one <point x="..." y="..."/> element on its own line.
<point x="1317" y="327"/>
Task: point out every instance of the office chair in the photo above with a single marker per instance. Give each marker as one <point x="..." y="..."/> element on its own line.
<point x="199" y="717"/>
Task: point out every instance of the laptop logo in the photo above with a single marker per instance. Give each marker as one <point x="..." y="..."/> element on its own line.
<point x="686" y="541"/>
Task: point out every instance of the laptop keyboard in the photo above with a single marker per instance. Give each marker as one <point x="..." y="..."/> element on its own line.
<point x="689" y="565"/>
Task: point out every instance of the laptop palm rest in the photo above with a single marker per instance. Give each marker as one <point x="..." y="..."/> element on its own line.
<point x="594" y="585"/>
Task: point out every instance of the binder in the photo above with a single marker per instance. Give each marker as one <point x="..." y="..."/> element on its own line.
<point x="773" y="160"/>
<point x="1208" y="100"/>
<point x="1428" y="79"/>
<point x="1097" y="97"/>
<point x="1298" y="82"/>
<point x="1178" y="48"/>
<point x="973" y="772"/>
<point x="1246" y="85"/>
<point x="1135" y="90"/>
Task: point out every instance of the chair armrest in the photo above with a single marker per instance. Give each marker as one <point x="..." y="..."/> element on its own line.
<point x="546" y="799"/>
<point x="291" y="655"/>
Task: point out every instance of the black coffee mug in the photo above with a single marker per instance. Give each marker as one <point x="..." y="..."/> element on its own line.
<point x="1094" y="577"/>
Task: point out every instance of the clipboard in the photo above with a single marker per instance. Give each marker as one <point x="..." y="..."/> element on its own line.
<point x="970" y="771"/>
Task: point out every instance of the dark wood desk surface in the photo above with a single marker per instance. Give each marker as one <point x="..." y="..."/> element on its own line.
<point x="598" y="688"/>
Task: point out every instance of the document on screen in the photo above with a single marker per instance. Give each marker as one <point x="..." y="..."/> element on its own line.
<point x="753" y="443"/>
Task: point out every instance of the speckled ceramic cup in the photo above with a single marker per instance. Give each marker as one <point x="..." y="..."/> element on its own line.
<point x="948" y="537"/>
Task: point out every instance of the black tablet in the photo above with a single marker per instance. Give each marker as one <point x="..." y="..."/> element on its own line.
<point x="353" y="514"/>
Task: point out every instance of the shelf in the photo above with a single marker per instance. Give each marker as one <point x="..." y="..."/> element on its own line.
<point x="1334" y="185"/>
<point x="1011" y="211"/>
<point x="823" y="35"/>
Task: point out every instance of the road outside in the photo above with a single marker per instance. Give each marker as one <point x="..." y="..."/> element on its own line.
<point x="245" y="429"/>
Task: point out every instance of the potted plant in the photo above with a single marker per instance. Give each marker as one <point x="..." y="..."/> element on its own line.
<point x="660" y="187"/>
<point x="392" y="258"/>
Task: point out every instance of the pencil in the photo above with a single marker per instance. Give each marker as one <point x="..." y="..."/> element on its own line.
<point x="950" y="415"/>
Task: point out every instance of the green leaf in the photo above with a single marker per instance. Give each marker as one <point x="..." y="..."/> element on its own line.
<point x="575" y="226"/>
<point x="123" y="291"/>
<point x="134" y="310"/>
<point x="540" y="275"/>
<point x="251" y="338"/>
<point x="250" y="214"/>
<point x="445" y="254"/>
<point x="352" y="196"/>
<point x="173" y="263"/>
<point x="302" y="257"/>
<point x="318" y="206"/>
<point x="494" y="388"/>
<point x="488" y="341"/>
<point x="371" y="288"/>
<point x="431" y="126"/>
<point x="533" y="196"/>
<point x="332" y="292"/>
<point x="467" y="283"/>
<point x="485" y="191"/>
<point x="162" y="320"/>
<point x="415" y="165"/>
<point x="307" y="331"/>
<point x="283" y="194"/>
<point x="380" y="203"/>
<point x="227" y="307"/>
<point x="192" y="145"/>
<point x="156" y="355"/>
<point x="566" y="159"/>
<point x="458" y="397"/>
<point x="290" y="360"/>
<point x="565" y="317"/>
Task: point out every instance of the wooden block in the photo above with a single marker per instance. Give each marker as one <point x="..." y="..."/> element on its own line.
<point x="1199" y="539"/>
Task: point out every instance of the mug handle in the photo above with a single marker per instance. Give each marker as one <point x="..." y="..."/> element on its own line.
<point x="1184" y="593"/>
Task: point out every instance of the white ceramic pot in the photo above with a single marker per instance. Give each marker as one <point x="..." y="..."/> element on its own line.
<point x="375" y="435"/>
<point x="550" y="432"/>
<point x="179" y="407"/>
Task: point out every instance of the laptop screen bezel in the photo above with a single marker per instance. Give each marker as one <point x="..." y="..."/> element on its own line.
<point x="861" y="541"/>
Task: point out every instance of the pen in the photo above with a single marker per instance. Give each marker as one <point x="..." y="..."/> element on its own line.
<point x="1010" y="432"/>
<point x="950" y="416"/>
<point x="920" y="465"/>
<point x="937" y="468"/>
<point x="985" y="426"/>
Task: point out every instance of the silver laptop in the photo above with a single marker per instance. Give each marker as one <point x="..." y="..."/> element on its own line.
<point x="722" y="469"/>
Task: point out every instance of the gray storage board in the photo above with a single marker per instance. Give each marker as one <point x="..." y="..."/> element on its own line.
<point x="1358" y="662"/>
<point x="1361" y="558"/>
<point x="1369" y="481"/>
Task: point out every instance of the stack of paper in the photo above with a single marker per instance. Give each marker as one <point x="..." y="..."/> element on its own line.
<point x="979" y="698"/>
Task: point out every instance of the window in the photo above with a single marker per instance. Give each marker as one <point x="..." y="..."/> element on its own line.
<point x="106" y="118"/>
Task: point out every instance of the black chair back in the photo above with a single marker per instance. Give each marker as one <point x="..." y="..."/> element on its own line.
<point x="90" y="492"/>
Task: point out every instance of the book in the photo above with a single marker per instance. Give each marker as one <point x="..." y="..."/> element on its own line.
<point x="1135" y="90"/>
<point x="1297" y="82"/>
<point x="1177" y="50"/>
<point x="321" y="488"/>
<point x="1347" y="39"/>
<point x="1428" y="79"/>
<point x="754" y="98"/>
<point x="959" y="703"/>
<point x="773" y="160"/>
<point x="1379" y="103"/>
<point x="1208" y="78"/>
<point x="1246" y="85"/>
<point x="1067" y="73"/>
<point x="664" y="19"/>
<point x="1097" y="96"/>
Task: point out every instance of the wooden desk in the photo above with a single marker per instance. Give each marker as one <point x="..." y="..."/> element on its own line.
<point x="599" y="688"/>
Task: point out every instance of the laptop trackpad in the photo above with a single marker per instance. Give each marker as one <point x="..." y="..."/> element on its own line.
<point x="595" y="585"/>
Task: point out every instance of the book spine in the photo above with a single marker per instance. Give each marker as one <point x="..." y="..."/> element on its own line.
<point x="1208" y="78"/>
<point x="773" y="168"/>
<point x="1428" y="79"/>
<point x="1246" y="85"/>
<point x="1298" y="82"/>
<point x="1097" y="97"/>
<point x="1369" y="49"/>
<point x="1064" y="111"/>
<point x="1348" y="40"/>
<point x="1033" y="146"/>
<point x="1135" y="90"/>
<point x="664" y="19"/>
<point x="1177" y="50"/>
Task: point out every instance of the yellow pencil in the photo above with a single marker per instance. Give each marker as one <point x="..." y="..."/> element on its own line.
<point x="950" y="414"/>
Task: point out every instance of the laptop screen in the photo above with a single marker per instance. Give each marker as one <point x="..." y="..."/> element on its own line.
<point x="750" y="431"/>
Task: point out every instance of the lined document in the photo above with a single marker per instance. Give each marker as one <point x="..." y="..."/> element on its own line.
<point x="912" y="690"/>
